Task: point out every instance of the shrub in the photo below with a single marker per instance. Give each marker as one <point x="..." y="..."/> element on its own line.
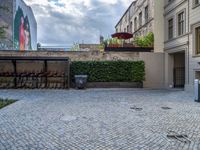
<point x="109" y="71"/>
<point x="146" y="41"/>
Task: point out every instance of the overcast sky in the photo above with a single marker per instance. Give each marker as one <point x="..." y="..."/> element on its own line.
<point x="63" y="22"/>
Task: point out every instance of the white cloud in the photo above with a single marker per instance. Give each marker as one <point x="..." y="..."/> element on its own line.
<point x="69" y="21"/>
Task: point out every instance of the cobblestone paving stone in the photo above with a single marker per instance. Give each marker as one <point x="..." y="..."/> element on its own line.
<point x="98" y="119"/>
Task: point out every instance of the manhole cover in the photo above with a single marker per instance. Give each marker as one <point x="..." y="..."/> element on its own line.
<point x="136" y="108"/>
<point x="166" y="108"/>
<point x="68" y="118"/>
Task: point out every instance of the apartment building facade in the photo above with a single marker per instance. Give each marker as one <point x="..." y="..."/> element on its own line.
<point x="194" y="42"/>
<point x="142" y="17"/>
<point x="182" y="43"/>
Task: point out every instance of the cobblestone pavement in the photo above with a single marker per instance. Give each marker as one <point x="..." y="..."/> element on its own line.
<point x="107" y="119"/>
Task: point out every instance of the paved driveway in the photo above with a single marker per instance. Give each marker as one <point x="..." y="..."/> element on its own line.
<point x="99" y="119"/>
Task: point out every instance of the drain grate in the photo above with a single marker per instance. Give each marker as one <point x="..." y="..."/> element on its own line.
<point x="166" y="108"/>
<point x="180" y="137"/>
<point x="136" y="108"/>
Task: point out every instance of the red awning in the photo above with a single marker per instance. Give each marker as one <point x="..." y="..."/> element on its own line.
<point x="122" y="35"/>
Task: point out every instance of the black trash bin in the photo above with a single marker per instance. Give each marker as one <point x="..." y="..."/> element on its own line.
<point x="81" y="81"/>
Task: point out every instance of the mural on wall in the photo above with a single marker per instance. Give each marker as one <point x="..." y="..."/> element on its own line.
<point x="22" y="34"/>
<point x="25" y="27"/>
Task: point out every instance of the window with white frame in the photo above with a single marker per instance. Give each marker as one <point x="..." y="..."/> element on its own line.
<point x="181" y="23"/>
<point x="197" y="40"/>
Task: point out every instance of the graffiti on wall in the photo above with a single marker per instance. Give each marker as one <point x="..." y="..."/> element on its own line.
<point x="22" y="34"/>
<point x="24" y="27"/>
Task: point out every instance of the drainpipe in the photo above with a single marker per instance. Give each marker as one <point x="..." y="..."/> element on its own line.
<point x="188" y="37"/>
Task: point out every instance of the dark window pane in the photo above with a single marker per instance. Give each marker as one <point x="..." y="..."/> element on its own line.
<point x="170" y="29"/>
<point x="198" y="40"/>
<point x="181" y="23"/>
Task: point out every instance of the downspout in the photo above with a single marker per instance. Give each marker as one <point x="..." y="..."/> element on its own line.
<point x="188" y="39"/>
<point x="13" y="17"/>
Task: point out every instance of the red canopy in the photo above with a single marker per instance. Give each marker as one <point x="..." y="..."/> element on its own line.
<point x="122" y="35"/>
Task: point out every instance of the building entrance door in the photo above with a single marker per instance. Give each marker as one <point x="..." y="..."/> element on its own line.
<point x="179" y="77"/>
<point x="179" y="70"/>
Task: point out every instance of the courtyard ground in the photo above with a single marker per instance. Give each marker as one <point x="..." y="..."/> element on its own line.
<point x="107" y="119"/>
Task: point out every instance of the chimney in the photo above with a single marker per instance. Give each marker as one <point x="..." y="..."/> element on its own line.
<point x="101" y="39"/>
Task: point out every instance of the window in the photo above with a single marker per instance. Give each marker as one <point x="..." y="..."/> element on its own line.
<point x="140" y="19"/>
<point x="181" y="23"/>
<point x="124" y="29"/>
<point x="120" y="28"/>
<point x="170" y="29"/>
<point x="146" y="14"/>
<point x="126" y="18"/>
<point x="131" y="27"/>
<point x="128" y="28"/>
<point x="135" y="24"/>
<point x="197" y="37"/>
<point x="197" y="75"/>
<point x="196" y="2"/>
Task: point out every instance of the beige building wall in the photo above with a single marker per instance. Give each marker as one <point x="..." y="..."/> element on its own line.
<point x="158" y="26"/>
<point x="194" y="59"/>
<point x="154" y="70"/>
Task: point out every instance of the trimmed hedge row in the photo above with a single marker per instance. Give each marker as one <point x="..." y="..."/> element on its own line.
<point x="109" y="71"/>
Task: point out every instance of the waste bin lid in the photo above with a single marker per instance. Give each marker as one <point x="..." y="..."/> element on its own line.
<point x="81" y="76"/>
<point x="196" y="81"/>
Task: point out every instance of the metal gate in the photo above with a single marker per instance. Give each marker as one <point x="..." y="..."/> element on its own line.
<point x="179" y="77"/>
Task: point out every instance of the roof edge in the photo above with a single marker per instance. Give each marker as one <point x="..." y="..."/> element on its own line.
<point x="125" y="12"/>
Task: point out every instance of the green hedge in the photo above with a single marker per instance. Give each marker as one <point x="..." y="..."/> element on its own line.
<point x="109" y="71"/>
